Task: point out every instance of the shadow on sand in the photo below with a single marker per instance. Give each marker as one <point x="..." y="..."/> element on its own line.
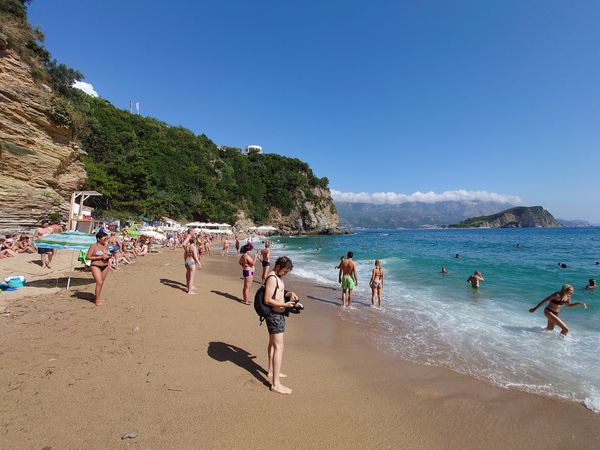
<point x="174" y="284"/>
<point x="327" y="287"/>
<point x="59" y="282"/>
<point x="322" y="300"/>
<point x="87" y="296"/>
<point x="228" y="295"/>
<point x="220" y="351"/>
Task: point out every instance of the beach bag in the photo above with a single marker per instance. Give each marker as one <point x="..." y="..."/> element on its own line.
<point x="261" y="309"/>
<point x="15" y="282"/>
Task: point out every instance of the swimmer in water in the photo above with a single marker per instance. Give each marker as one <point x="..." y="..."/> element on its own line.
<point x="475" y="279"/>
<point x="457" y="256"/>
<point x="555" y="302"/>
<point x="444" y="271"/>
<point x="562" y="265"/>
<point x="591" y="284"/>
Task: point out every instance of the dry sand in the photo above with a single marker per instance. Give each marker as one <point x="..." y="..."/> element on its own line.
<point x="185" y="371"/>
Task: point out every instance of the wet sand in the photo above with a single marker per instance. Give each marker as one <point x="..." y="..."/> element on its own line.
<point x="188" y="371"/>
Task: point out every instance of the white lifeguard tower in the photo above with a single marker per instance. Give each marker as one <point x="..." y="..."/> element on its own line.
<point x="248" y="149"/>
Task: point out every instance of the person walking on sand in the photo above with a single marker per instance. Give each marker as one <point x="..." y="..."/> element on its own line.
<point x="555" y="302"/>
<point x="237" y="245"/>
<point x="275" y="298"/>
<point x="46" y="254"/>
<point x="247" y="262"/>
<point x="191" y="260"/>
<point x="225" y="251"/>
<point x="99" y="255"/>
<point x="376" y="283"/>
<point x="475" y="279"/>
<point x="347" y="278"/>
<point x="265" y="255"/>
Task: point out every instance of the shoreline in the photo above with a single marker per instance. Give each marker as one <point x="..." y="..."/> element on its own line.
<point x="187" y="370"/>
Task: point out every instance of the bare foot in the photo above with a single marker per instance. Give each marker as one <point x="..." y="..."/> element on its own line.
<point x="281" y="389"/>
<point x="99" y="303"/>
<point x="281" y="375"/>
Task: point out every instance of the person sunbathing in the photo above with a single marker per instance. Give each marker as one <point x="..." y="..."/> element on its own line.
<point x="24" y="245"/>
<point x="143" y="250"/>
<point x="6" y="251"/>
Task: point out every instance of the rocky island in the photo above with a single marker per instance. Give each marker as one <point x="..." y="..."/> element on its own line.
<point x="518" y="217"/>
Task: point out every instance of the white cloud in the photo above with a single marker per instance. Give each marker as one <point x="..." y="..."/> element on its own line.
<point x="425" y="197"/>
<point x="85" y="87"/>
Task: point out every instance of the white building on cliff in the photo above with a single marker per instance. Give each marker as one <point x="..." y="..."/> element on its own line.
<point x="252" y="149"/>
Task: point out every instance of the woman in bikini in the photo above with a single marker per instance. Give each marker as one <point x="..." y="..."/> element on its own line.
<point x="376" y="283"/>
<point x="555" y="302"/>
<point x="99" y="255"/>
<point x="265" y="255"/>
<point x="191" y="260"/>
<point x="247" y="262"/>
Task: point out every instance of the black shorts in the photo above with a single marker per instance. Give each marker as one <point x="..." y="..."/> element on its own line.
<point x="43" y="251"/>
<point x="275" y="323"/>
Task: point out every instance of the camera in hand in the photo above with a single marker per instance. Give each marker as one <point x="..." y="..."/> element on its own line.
<point x="296" y="308"/>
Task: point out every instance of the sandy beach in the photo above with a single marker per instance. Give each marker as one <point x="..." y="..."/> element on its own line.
<point x="188" y="371"/>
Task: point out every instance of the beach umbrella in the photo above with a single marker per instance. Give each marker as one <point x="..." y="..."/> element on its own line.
<point x="68" y="240"/>
<point x="154" y="235"/>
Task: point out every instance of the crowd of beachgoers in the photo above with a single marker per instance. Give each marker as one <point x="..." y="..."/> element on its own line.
<point x="113" y="250"/>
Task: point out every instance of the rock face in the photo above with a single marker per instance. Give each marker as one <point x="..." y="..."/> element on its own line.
<point x="40" y="163"/>
<point x="519" y="217"/>
<point x="316" y="216"/>
<point x="309" y="216"/>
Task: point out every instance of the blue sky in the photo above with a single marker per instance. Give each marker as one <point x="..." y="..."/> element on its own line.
<point x="379" y="96"/>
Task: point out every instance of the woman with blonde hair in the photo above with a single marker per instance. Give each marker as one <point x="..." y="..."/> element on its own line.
<point x="376" y="283"/>
<point x="191" y="260"/>
<point x="555" y="302"/>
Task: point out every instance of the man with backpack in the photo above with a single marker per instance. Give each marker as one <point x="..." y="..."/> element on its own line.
<point x="274" y="297"/>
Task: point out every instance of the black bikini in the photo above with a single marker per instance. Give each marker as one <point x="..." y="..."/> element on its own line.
<point x="557" y="303"/>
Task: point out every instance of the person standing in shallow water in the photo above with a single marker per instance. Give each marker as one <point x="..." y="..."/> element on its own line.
<point x="555" y="302"/>
<point x="347" y="278"/>
<point x="475" y="279"/>
<point x="376" y="283"/>
<point x="275" y="298"/>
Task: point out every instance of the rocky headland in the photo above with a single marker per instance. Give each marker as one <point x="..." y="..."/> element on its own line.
<point x="518" y="217"/>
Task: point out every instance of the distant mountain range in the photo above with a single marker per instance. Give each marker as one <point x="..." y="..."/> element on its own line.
<point x="413" y="214"/>
<point x="575" y="223"/>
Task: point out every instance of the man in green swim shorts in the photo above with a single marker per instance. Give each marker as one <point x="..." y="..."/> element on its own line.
<point x="347" y="278"/>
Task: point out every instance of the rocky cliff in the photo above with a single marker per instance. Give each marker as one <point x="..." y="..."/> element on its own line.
<point x="307" y="216"/>
<point x="142" y="166"/>
<point x="519" y="217"/>
<point x="39" y="162"/>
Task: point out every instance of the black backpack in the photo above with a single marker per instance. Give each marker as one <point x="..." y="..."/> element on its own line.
<point x="261" y="309"/>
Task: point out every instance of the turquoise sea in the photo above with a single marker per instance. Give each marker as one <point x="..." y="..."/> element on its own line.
<point x="487" y="333"/>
